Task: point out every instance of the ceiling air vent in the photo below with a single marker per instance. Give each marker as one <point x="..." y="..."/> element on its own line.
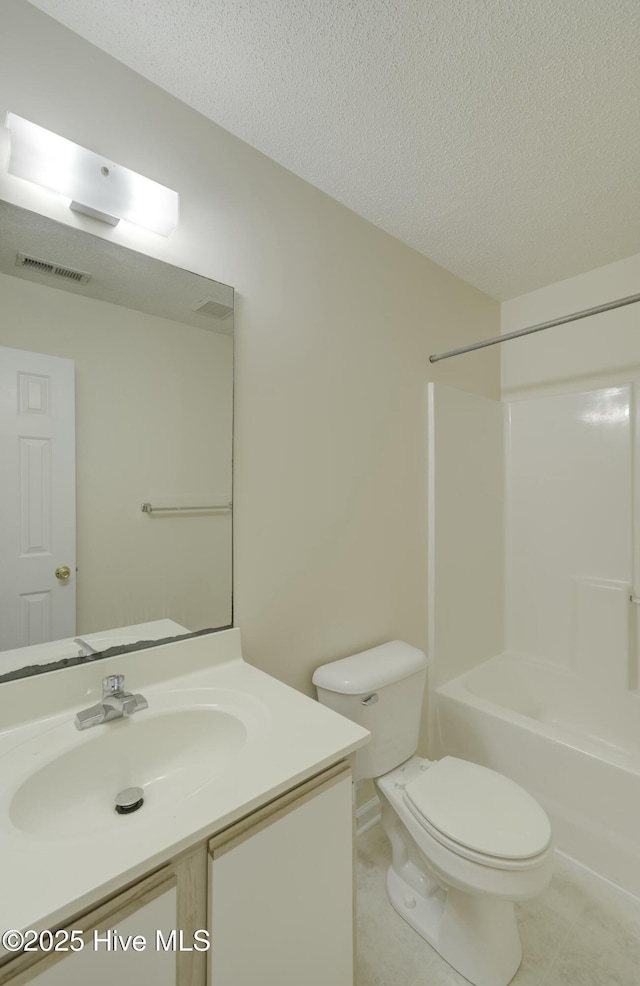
<point x="213" y="308"/>
<point x="53" y="270"/>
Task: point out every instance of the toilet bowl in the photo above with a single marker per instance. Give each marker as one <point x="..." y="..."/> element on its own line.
<point x="459" y="896"/>
<point x="466" y="842"/>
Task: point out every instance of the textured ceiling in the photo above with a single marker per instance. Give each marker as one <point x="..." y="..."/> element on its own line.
<point x="500" y="138"/>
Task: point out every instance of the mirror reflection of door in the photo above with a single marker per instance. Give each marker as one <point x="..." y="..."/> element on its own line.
<point x="37" y="498"/>
<point x="153" y="351"/>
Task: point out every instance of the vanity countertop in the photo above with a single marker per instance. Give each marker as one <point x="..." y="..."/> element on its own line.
<point x="49" y="870"/>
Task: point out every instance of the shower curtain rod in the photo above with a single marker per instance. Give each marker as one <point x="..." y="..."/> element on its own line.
<point x="630" y="300"/>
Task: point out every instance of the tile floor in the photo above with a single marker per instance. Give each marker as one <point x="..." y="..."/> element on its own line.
<point x="580" y="932"/>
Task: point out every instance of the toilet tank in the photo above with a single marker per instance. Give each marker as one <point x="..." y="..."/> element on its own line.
<point x="382" y="689"/>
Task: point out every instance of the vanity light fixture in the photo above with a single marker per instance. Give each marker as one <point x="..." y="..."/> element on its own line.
<point x="96" y="186"/>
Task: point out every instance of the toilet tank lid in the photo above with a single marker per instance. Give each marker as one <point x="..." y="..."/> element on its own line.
<point x="370" y="669"/>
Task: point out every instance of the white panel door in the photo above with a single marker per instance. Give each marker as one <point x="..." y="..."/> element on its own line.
<point x="37" y="498"/>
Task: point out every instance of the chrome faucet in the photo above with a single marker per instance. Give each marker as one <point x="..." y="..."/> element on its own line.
<point x="86" y="650"/>
<point x="115" y="704"/>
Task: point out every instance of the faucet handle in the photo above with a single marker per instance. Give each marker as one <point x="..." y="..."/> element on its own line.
<point x="112" y="683"/>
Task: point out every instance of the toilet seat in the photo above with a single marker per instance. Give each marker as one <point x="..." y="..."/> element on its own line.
<point x="478" y="813"/>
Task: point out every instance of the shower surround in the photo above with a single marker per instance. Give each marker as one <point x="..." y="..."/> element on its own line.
<point x="556" y="706"/>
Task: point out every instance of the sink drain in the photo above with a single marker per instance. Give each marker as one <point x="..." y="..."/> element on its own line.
<point x="129" y="800"/>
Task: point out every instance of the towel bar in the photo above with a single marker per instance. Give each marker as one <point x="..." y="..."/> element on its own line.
<point x="147" y="508"/>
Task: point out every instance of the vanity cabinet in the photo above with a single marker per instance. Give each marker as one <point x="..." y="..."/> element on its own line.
<point x="272" y="895"/>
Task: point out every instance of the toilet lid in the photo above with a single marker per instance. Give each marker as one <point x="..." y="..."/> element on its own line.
<point x="479" y="809"/>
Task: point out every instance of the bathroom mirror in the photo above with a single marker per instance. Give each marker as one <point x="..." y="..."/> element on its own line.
<point x="139" y="528"/>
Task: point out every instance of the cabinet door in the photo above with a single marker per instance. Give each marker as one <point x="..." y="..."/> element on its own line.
<point x="281" y="902"/>
<point x="103" y="963"/>
<point x="151" y="933"/>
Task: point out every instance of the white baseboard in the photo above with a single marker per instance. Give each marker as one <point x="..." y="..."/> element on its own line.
<point x="368" y="815"/>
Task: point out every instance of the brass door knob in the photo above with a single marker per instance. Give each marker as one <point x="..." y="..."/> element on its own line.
<point x="63" y="573"/>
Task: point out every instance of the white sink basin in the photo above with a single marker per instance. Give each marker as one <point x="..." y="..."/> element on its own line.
<point x="67" y="781"/>
<point x="219" y="740"/>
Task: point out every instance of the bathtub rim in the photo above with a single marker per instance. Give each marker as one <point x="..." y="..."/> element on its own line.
<point x="457" y="690"/>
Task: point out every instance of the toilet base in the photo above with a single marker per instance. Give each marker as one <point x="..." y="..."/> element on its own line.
<point x="477" y="936"/>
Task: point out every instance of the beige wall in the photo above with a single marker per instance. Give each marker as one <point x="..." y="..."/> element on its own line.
<point x="466" y="508"/>
<point x="335" y="321"/>
<point x="142" y="383"/>
<point x="599" y="351"/>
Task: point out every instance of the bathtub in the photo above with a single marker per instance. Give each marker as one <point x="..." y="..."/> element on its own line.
<point x="576" y="751"/>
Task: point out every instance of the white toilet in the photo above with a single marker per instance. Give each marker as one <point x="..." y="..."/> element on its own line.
<point x="466" y="841"/>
